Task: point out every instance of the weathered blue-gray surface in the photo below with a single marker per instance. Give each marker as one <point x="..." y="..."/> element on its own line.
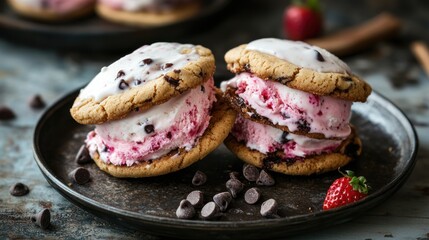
<point x="389" y="68"/>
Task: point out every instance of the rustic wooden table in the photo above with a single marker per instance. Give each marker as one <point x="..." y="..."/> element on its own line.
<point x="388" y="66"/>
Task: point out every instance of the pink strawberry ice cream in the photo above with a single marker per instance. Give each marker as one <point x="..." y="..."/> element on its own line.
<point x="58" y="6"/>
<point x="150" y="134"/>
<point x="267" y="139"/>
<point x="295" y="109"/>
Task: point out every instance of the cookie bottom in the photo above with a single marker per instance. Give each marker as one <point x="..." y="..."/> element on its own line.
<point x="48" y="15"/>
<point x="145" y="18"/>
<point x="350" y="148"/>
<point x="221" y="122"/>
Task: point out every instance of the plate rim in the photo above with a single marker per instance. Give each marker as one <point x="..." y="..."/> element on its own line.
<point x="83" y="202"/>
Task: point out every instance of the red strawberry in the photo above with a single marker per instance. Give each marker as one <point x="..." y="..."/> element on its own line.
<point x="345" y="190"/>
<point x="303" y="21"/>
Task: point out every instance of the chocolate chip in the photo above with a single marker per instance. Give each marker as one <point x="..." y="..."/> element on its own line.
<point x="169" y="135"/>
<point x="146" y="61"/>
<point x="185" y="210"/>
<point x="36" y="102"/>
<point x="137" y="82"/>
<point x="265" y="179"/>
<point x="303" y="125"/>
<point x="18" y="189"/>
<point x="171" y="80"/>
<point x="284" y="138"/>
<point x="250" y="172"/>
<point x="252" y="195"/>
<point x="203" y="89"/>
<point x="269" y="208"/>
<point x="42" y="219"/>
<point x="347" y="79"/>
<point x="210" y="211"/>
<point x="80" y="175"/>
<point x="167" y="65"/>
<point x="149" y="128"/>
<point x="122" y="84"/>
<point x="319" y="56"/>
<point x="234" y="175"/>
<point x="6" y="113"/>
<point x="82" y="155"/>
<point x="196" y="198"/>
<point x="222" y="200"/>
<point x="120" y="74"/>
<point x="234" y="186"/>
<point x="177" y="71"/>
<point x="199" y="178"/>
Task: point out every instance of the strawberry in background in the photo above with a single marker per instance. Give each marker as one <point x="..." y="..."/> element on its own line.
<point x="303" y="20"/>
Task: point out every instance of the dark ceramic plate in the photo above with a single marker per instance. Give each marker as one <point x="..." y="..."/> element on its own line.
<point x="95" y="34"/>
<point x="389" y="143"/>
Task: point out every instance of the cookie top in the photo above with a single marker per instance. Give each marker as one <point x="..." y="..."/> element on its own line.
<point x="150" y="75"/>
<point x="52" y="10"/>
<point x="147" y="13"/>
<point x="316" y="164"/>
<point x="298" y="65"/>
<point x="221" y="122"/>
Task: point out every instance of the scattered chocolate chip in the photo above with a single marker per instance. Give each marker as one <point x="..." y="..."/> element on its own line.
<point x="146" y="61"/>
<point x="252" y="195"/>
<point x="185" y="210"/>
<point x="250" y="172"/>
<point x="120" y="74"/>
<point x="169" y="136"/>
<point x="137" y="82"/>
<point x="167" y="65"/>
<point x="222" y="200"/>
<point x="319" y="56"/>
<point x="177" y="71"/>
<point x="171" y="80"/>
<point x="18" y="189"/>
<point x="122" y="84"/>
<point x="265" y="179"/>
<point x="210" y="211"/>
<point x="196" y="198"/>
<point x="284" y="138"/>
<point x="234" y="186"/>
<point x="203" y="89"/>
<point x="269" y="208"/>
<point x="80" y="175"/>
<point x="36" y="102"/>
<point x="6" y="113"/>
<point x="199" y="178"/>
<point x="42" y="219"/>
<point x="234" y="175"/>
<point x="82" y="155"/>
<point x="149" y="128"/>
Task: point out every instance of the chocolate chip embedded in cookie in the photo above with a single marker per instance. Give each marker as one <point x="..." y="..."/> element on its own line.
<point x="300" y="66"/>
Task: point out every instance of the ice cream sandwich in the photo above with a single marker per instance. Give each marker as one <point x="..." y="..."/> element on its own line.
<point x="294" y="103"/>
<point x="52" y="10"/>
<point x="155" y="111"/>
<point x="147" y="12"/>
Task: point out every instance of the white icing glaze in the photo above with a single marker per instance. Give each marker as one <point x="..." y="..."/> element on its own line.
<point x="136" y="72"/>
<point x="300" y="54"/>
<point x="136" y="5"/>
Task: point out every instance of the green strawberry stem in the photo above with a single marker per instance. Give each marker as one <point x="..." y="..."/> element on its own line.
<point x="312" y="4"/>
<point x="358" y="183"/>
